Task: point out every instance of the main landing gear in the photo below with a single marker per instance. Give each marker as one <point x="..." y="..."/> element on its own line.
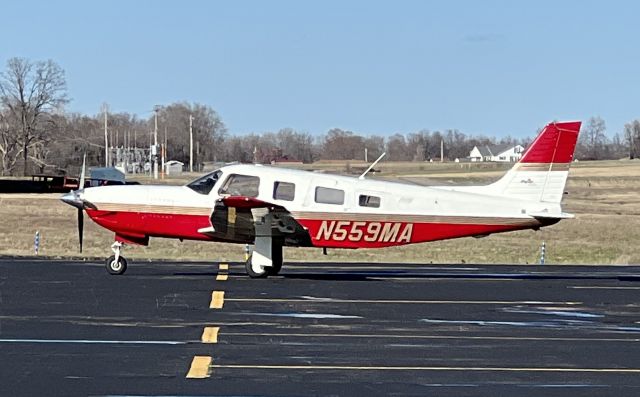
<point x="257" y="265"/>
<point x="266" y="258"/>
<point x="116" y="264"/>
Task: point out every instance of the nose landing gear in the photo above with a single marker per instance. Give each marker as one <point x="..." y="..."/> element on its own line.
<point x="116" y="264"/>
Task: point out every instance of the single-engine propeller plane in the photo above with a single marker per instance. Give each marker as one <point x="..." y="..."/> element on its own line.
<point x="272" y="207"/>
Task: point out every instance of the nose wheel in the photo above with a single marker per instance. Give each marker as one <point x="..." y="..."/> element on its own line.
<point x="116" y="264"/>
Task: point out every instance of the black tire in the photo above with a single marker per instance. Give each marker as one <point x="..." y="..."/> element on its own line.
<point x="277" y="266"/>
<point x="251" y="272"/>
<point x="274" y="270"/>
<point x="116" y="269"/>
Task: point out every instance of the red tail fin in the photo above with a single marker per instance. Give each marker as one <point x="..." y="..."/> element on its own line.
<point x="555" y="144"/>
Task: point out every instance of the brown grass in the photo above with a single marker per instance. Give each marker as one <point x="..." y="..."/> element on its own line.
<point x="603" y="195"/>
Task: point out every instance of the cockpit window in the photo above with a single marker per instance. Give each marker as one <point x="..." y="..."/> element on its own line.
<point x="241" y="185"/>
<point x="204" y="184"/>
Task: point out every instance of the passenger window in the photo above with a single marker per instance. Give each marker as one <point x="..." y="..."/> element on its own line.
<point x="369" y="201"/>
<point x="241" y="185"/>
<point x="325" y="195"/>
<point x="284" y="191"/>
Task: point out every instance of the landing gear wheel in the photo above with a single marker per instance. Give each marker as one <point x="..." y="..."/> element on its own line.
<point x="277" y="263"/>
<point x="275" y="269"/>
<point x="253" y="272"/>
<point x="116" y="267"/>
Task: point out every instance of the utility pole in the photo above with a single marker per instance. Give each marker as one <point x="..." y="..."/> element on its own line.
<point x="190" y="143"/>
<point x="366" y="155"/>
<point x="154" y="151"/>
<point x="442" y="150"/>
<point x="105" y="109"/>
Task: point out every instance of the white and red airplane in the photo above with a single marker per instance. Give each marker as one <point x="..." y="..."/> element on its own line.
<point x="273" y="207"/>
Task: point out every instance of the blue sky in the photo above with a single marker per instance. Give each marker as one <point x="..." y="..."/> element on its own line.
<point x="484" y="67"/>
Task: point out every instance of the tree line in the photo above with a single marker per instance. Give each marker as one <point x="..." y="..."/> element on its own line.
<point x="36" y="132"/>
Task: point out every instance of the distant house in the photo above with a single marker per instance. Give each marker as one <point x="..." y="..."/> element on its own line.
<point x="499" y="153"/>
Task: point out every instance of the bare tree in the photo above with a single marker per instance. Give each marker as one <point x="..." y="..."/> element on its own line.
<point x="398" y="150"/>
<point x="8" y="145"/>
<point x="208" y="130"/>
<point x="28" y="92"/>
<point x="593" y="139"/>
<point x="375" y="146"/>
<point x="632" y="136"/>
<point x="342" y="145"/>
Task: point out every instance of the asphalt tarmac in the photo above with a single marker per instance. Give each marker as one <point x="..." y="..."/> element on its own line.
<point x="68" y="328"/>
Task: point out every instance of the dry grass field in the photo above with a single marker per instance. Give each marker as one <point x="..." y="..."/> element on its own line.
<point x="603" y="196"/>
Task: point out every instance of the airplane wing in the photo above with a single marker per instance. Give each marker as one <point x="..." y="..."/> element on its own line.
<point x="245" y="202"/>
<point x="238" y="218"/>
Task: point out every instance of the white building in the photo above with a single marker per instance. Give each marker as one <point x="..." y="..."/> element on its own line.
<point x="500" y="153"/>
<point x="173" y="167"/>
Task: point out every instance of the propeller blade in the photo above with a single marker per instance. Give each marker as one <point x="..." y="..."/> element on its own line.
<point x="80" y="226"/>
<point x="81" y="181"/>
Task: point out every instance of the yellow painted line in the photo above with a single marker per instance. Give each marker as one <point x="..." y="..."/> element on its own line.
<point x="444" y="368"/>
<point x="210" y="334"/>
<point x="217" y="300"/>
<point x="422" y="302"/>
<point x="394" y="336"/>
<point x="224" y="266"/>
<point x="600" y="287"/>
<point x="200" y="367"/>
<point x="222" y="277"/>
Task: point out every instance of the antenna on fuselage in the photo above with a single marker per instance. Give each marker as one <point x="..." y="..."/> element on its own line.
<point x="371" y="166"/>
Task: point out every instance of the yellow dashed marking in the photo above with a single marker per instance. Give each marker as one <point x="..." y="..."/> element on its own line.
<point x="200" y="367"/>
<point x="222" y="277"/>
<point x="210" y="335"/>
<point x="217" y="300"/>
<point x="224" y="266"/>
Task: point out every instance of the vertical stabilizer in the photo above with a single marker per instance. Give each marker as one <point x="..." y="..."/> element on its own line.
<point x="542" y="172"/>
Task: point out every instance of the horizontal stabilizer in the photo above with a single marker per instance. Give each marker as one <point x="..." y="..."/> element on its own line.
<point x="562" y="215"/>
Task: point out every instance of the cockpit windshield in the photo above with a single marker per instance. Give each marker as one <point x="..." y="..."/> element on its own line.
<point x="204" y="184"/>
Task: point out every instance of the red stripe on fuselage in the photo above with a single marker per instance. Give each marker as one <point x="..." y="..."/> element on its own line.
<point x="324" y="233"/>
<point x="152" y="224"/>
<point x="365" y="234"/>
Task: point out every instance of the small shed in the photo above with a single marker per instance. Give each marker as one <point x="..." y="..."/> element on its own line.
<point x="173" y="167"/>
